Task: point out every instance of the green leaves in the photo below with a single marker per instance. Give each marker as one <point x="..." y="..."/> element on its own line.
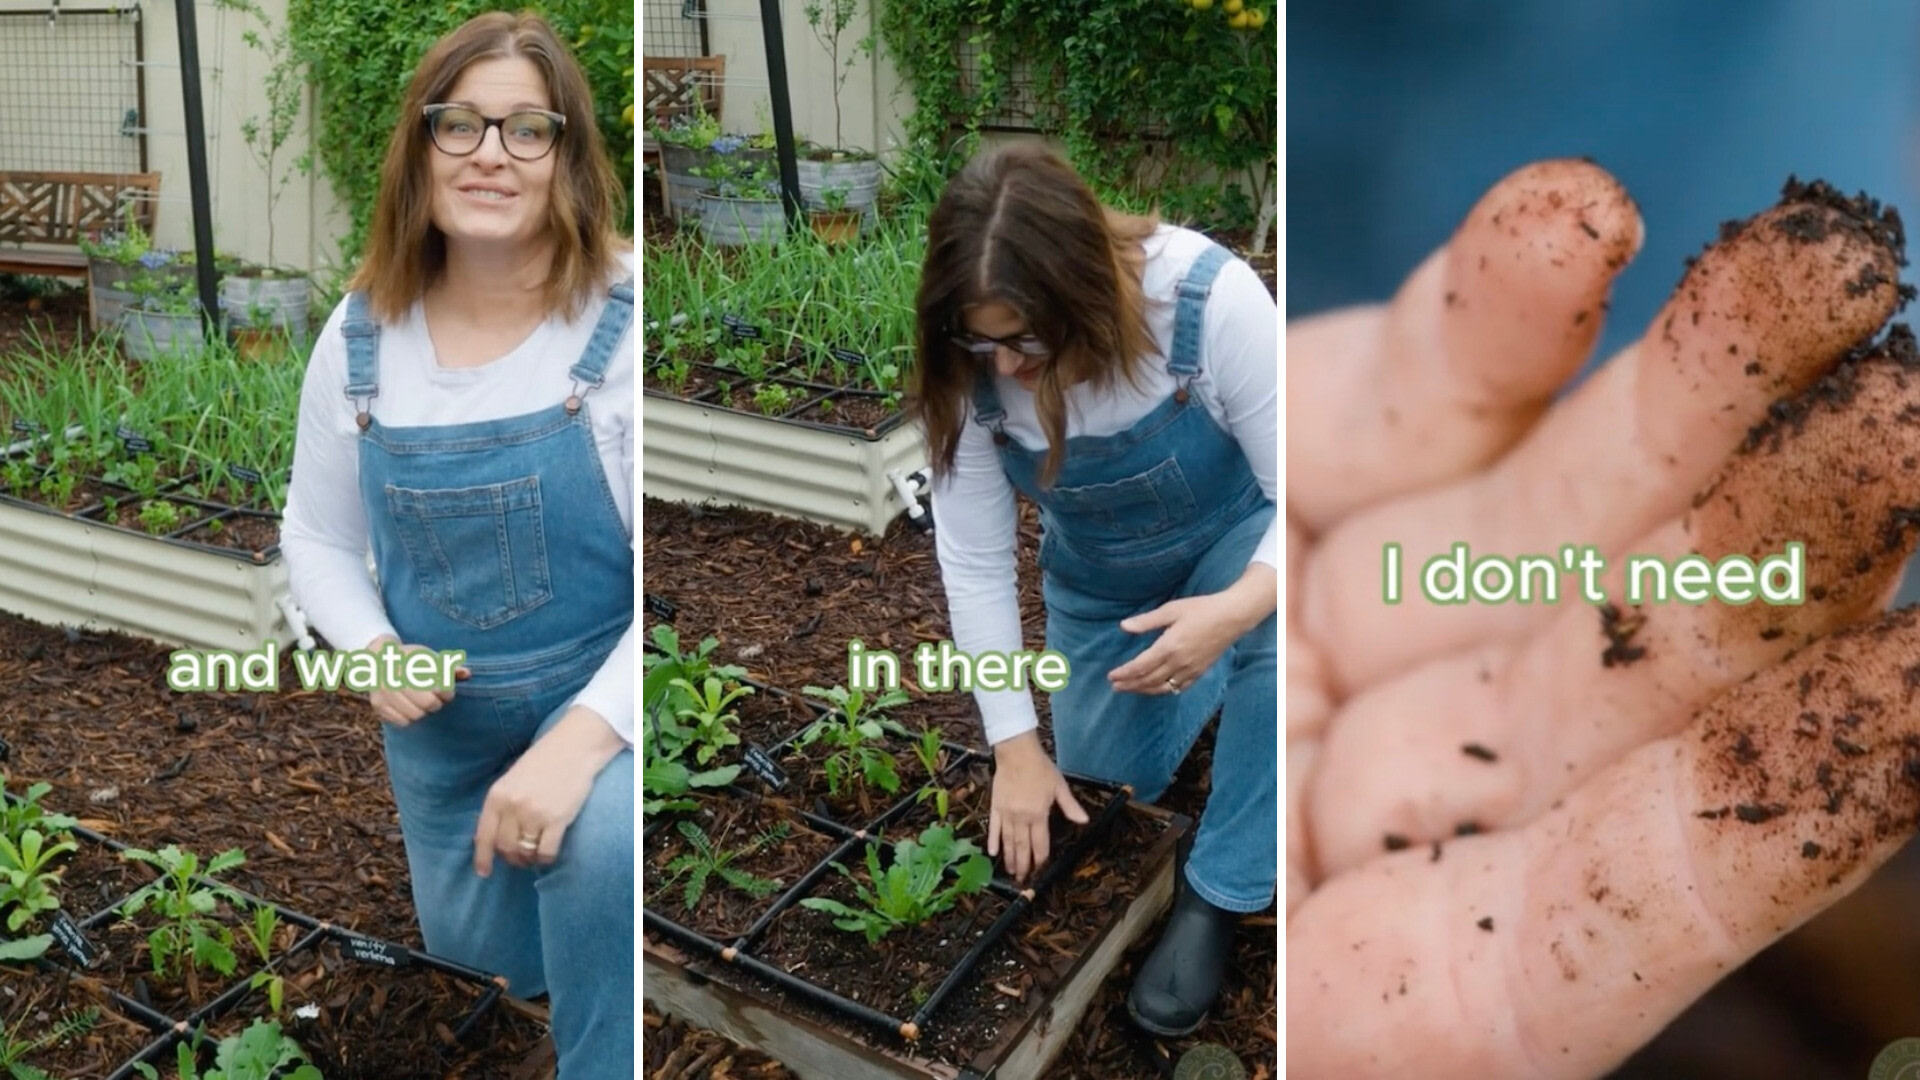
<point x="909" y="891"/>
<point x="185" y="900"/>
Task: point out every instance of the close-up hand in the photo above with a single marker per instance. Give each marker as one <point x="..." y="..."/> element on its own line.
<point x="1523" y="837"/>
<point x="529" y="809"/>
<point x="401" y="707"/>
<point x="1026" y="787"/>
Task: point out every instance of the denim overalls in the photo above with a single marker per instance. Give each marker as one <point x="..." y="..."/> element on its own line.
<point x="502" y="538"/>
<point x="1168" y="508"/>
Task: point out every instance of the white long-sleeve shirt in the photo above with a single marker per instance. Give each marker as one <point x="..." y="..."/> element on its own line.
<point x="975" y="514"/>
<point x="324" y="530"/>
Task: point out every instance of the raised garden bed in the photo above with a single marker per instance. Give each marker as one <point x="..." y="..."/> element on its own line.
<point x="180" y="962"/>
<point x="860" y="931"/>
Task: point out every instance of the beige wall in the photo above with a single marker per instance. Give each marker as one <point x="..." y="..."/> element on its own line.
<point x="873" y="104"/>
<point x="306" y="216"/>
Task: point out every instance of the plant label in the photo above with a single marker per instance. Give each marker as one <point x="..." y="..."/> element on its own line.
<point x="26" y="427"/>
<point x="761" y="764"/>
<point x="741" y="328"/>
<point x="131" y="439"/>
<point x="68" y="934"/>
<point x="243" y="474"/>
<point x="6" y="750"/>
<point x="378" y="953"/>
<point x="848" y="356"/>
<point x="661" y="607"/>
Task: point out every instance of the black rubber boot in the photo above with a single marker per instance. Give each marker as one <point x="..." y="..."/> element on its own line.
<point x="1181" y="979"/>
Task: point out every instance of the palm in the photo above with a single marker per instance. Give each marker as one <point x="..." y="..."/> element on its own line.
<point x="1644" y="827"/>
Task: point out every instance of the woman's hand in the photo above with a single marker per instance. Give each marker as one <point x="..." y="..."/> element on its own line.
<point x="529" y="809"/>
<point x="1026" y="785"/>
<point x="1198" y="630"/>
<point x="401" y="707"/>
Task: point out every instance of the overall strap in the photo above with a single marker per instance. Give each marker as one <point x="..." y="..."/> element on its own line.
<point x="362" y="334"/>
<point x="591" y="369"/>
<point x="1188" y="318"/>
<point x="986" y="406"/>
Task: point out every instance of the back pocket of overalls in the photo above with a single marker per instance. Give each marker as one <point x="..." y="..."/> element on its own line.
<point x="1141" y="505"/>
<point x="480" y="552"/>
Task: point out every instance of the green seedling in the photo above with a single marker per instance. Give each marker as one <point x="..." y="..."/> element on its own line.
<point x="772" y="399"/>
<point x="159" y="516"/>
<point x="855" y="732"/>
<point x="260" y="1052"/>
<point x="24" y="812"/>
<point x="712" y="723"/>
<point x="15" y="1046"/>
<point x="27" y="885"/>
<point x="705" y="861"/>
<point x="929" y="751"/>
<point x="909" y="892"/>
<point x="260" y="935"/>
<point x="188" y="940"/>
<point x="665" y="779"/>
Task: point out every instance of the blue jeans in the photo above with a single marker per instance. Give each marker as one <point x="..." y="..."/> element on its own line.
<point x="1141" y="739"/>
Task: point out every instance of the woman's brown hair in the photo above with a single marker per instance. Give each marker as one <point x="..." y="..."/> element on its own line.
<point x="1020" y="227"/>
<point x="406" y="251"/>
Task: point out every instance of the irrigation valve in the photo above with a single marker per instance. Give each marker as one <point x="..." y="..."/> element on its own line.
<point x="912" y="488"/>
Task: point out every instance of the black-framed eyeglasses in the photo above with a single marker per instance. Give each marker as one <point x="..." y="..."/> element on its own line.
<point x="528" y="135"/>
<point x="984" y="348"/>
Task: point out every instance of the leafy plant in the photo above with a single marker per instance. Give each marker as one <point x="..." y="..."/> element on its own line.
<point x="159" y="516"/>
<point x="22" y="812"/>
<point x="828" y="19"/>
<point x="929" y="751"/>
<point x="27" y="887"/>
<point x="15" y="1046"/>
<point x="910" y="891"/>
<point x="705" y="862"/>
<point x="772" y="399"/>
<point x="188" y="939"/>
<point x="257" y="1053"/>
<point x="266" y="135"/>
<point x="854" y="731"/>
<point x="712" y="729"/>
<point x="266" y="921"/>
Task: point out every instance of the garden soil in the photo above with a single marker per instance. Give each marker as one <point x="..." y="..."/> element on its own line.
<point x="294" y="779"/>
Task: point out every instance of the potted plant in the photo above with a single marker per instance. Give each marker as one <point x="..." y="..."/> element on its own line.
<point x="163" y="316"/>
<point x="854" y="172"/>
<point x="267" y="295"/>
<point x="833" y="222"/>
<point x="112" y="259"/>
<point x="686" y="144"/>
<point x="744" y="204"/>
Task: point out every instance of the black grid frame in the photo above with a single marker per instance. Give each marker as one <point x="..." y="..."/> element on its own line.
<point x="73" y="94"/>
<point x="675" y="28"/>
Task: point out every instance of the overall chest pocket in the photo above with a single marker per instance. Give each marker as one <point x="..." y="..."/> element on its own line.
<point x="1141" y="505"/>
<point x="480" y="553"/>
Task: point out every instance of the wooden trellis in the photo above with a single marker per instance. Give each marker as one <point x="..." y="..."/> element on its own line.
<point x="61" y="208"/>
<point x="677" y="85"/>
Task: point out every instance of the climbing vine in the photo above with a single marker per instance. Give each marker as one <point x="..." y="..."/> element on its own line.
<point x="360" y="54"/>
<point x="1169" y="101"/>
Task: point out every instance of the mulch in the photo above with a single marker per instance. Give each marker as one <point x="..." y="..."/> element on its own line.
<point x="783" y="597"/>
<point x="296" y="780"/>
<point x="55" y="321"/>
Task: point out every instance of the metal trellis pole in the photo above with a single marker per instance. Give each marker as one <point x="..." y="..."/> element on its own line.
<point x="197" y="165"/>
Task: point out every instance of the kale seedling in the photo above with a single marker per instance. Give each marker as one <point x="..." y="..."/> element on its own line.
<point x="705" y="861"/>
<point x="854" y="732"/>
<point x="258" y="1053"/>
<point x="909" y="891"/>
<point x="185" y="904"/>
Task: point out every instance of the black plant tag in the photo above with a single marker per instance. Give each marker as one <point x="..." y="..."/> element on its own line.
<point x="70" y="938"/>
<point x="6" y="750"/>
<point x="741" y="328"/>
<point x="761" y="764"/>
<point x="848" y="356"/>
<point x="134" y="444"/>
<point x="377" y="953"/>
<point x="243" y="474"/>
<point x="661" y="607"/>
<point x="27" y="427"/>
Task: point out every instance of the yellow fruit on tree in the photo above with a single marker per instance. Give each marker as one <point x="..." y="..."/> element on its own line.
<point x="1256" y="19"/>
<point x="628" y="116"/>
<point x="1201" y="5"/>
<point x="1238" y="21"/>
<point x="1232" y="7"/>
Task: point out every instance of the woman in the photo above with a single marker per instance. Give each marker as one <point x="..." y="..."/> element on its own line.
<point x="468" y="415"/>
<point x="1121" y="374"/>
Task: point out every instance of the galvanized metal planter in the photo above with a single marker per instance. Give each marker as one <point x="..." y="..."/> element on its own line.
<point x="708" y="453"/>
<point x="60" y="569"/>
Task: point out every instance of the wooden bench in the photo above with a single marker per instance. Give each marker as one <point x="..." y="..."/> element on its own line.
<point x="676" y="86"/>
<point x="57" y="209"/>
